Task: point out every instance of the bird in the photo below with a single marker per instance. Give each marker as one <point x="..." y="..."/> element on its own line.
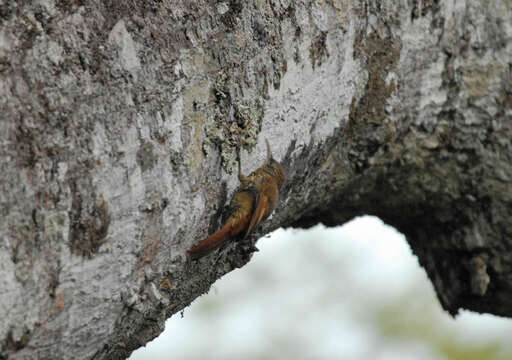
<point x="252" y="203"/>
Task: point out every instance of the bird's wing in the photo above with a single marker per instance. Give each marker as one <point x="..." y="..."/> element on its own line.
<point x="259" y="211"/>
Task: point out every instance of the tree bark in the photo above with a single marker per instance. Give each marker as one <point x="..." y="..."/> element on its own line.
<point x="119" y="127"/>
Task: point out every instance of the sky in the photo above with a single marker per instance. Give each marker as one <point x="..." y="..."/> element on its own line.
<point x="352" y="292"/>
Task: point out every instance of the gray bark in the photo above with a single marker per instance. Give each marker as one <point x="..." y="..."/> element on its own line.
<point x="119" y="122"/>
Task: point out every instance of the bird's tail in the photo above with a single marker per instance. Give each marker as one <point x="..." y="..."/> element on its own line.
<point x="211" y="243"/>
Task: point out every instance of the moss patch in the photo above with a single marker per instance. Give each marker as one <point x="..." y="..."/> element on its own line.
<point x="368" y="114"/>
<point x="233" y="124"/>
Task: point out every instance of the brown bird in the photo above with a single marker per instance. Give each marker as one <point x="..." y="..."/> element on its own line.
<point x="253" y="202"/>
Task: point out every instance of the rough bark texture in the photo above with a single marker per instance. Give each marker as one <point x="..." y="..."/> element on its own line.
<point x="120" y="119"/>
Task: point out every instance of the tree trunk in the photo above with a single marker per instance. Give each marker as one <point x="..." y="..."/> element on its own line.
<point x="119" y="127"/>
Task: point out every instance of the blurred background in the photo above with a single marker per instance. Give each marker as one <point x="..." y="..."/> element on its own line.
<point x="354" y="292"/>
